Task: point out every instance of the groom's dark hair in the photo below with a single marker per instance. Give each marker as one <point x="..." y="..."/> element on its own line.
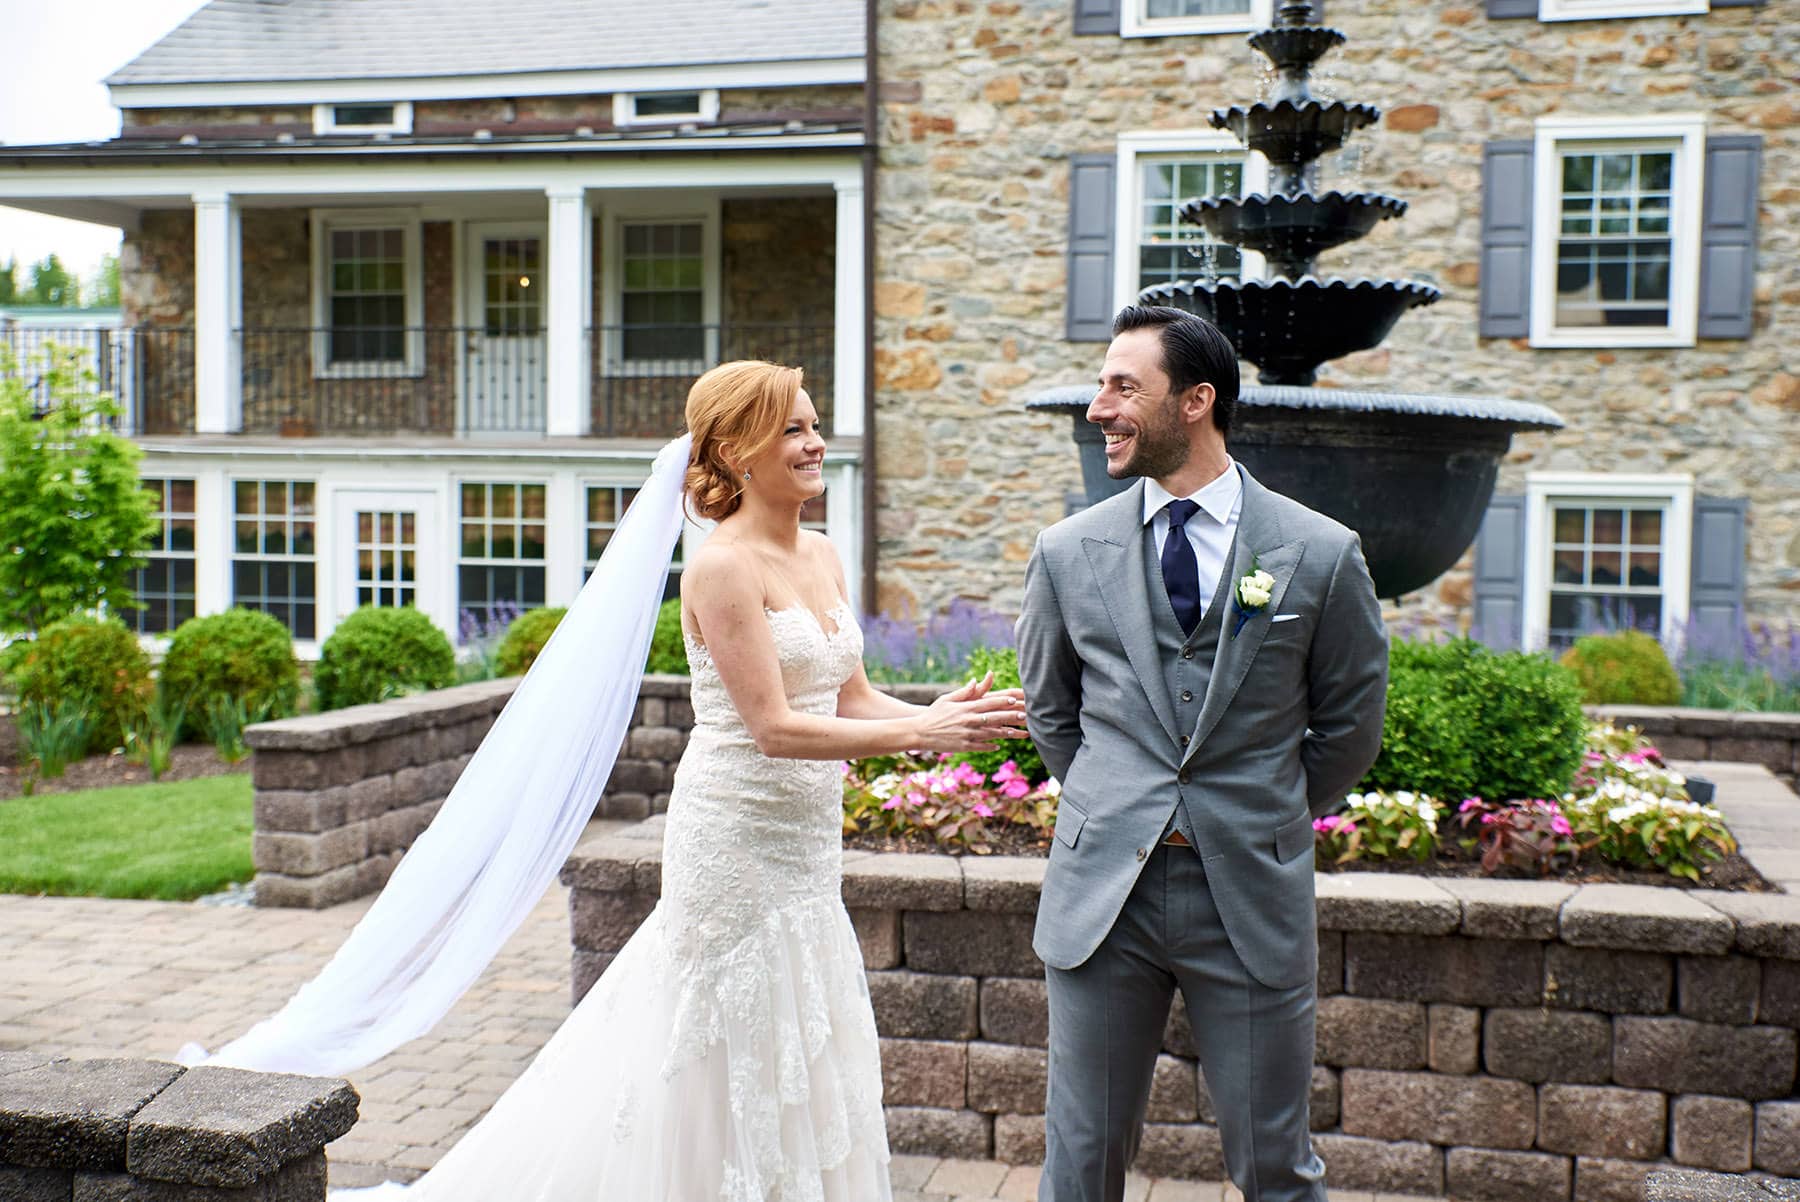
<point x="1194" y="350"/>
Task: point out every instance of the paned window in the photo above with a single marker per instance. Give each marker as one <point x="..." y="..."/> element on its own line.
<point x="274" y="551"/>
<point x="1606" y="567"/>
<point x="513" y="290"/>
<point x="370" y="117"/>
<point x="1600" y="10"/>
<point x="662" y="108"/>
<point x="1161" y="18"/>
<point x="366" y="299"/>
<point x="501" y="559"/>
<point x="663" y="291"/>
<point x="1615" y="240"/>
<point x="165" y="584"/>
<point x="606" y="505"/>
<point x="1168" y="248"/>
<point x="387" y="557"/>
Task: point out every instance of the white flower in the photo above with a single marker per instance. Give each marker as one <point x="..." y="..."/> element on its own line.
<point x="1053" y="787"/>
<point x="884" y="785"/>
<point x="1255" y="589"/>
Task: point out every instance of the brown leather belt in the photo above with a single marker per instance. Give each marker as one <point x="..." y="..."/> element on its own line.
<point x="1176" y="839"/>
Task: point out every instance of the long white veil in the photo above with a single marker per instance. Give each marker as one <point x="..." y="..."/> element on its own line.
<point x="506" y="828"/>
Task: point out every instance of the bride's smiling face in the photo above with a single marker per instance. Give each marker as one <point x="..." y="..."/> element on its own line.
<point x="792" y="469"/>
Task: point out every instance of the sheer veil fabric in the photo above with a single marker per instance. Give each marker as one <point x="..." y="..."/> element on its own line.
<point x="504" y="831"/>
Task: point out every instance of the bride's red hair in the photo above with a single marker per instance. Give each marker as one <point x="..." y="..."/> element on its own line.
<point x="738" y="409"/>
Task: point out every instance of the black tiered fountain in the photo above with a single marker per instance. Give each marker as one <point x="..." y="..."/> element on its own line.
<point x="1411" y="474"/>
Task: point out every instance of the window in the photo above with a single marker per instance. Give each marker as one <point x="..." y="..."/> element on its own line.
<point x="166" y="583"/>
<point x="606" y="505"/>
<point x="1158" y="173"/>
<point x="1616" y="233"/>
<point x="367" y="296"/>
<point x="1162" y="18"/>
<point x="1606" y="552"/>
<point x="665" y="108"/>
<point x="512" y="286"/>
<point x="387" y="557"/>
<point x="662" y="298"/>
<point x="385" y="117"/>
<point x="501" y="560"/>
<point x="273" y="560"/>
<point x="1595" y="10"/>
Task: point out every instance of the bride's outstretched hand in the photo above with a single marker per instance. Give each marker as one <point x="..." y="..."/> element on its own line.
<point x="974" y="717"/>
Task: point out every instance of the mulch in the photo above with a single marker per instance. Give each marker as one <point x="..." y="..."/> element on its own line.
<point x="1730" y="874"/>
<point x="187" y="762"/>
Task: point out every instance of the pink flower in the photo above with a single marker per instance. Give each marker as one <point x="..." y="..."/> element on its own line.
<point x="1323" y="826"/>
<point x="1015" y="788"/>
<point x="1561" y="826"/>
<point x="892" y="803"/>
<point x="982" y="809"/>
<point x="1470" y="803"/>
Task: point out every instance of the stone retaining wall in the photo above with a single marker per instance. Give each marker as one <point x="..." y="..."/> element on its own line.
<point x="112" y="1130"/>
<point x="1772" y="740"/>
<point x="1520" y="1041"/>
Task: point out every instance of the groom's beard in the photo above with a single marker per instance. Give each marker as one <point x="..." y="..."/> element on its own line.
<point x="1161" y="447"/>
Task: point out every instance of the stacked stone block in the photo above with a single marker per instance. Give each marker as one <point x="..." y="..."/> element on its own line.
<point x="109" y="1130"/>
<point x="1494" y="1041"/>
<point x="1772" y="740"/>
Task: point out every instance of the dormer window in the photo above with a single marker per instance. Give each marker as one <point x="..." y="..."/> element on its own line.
<point x="665" y="108"/>
<point x="393" y="117"/>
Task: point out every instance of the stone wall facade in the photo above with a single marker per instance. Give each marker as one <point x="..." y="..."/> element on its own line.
<point x="1513" y="1042"/>
<point x="1772" y="740"/>
<point x="983" y="103"/>
<point x="120" y="1129"/>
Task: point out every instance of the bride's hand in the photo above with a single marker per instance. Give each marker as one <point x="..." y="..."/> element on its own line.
<point x="974" y="717"/>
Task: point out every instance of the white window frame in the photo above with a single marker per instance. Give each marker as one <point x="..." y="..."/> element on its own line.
<point x="324" y="223"/>
<point x="459" y="561"/>
<point x="323" y="619"/>
<point x="325" y="118"/>
<point x="1685" y="133"/>
<point x="1133" y="23"/>
<point x="1128" y="197"/>
<point x="1609" y="10"/>
<point x="662" y="210"/>
<point x="705" y="112"/>
<point x="1674" y="492"/>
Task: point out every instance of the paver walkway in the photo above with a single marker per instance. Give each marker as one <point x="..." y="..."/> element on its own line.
<point x="85" y="977"/>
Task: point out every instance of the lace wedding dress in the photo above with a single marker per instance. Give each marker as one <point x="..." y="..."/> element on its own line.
<point x="728" y="1054"/>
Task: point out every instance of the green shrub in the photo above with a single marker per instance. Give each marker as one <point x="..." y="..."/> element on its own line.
<point x="525" y="637"/>
<point x="1463" y="721"/>
<point x="1003" y="662"/>
<point x="90" y="662"/>
<point x="668" y="649"/>
<point x="380" y="652"/>
<point x="239" y="655"/>
<point x="1626" y="668"/>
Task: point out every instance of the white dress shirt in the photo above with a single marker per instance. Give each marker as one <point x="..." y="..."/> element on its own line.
<point x="1210" y="531"/>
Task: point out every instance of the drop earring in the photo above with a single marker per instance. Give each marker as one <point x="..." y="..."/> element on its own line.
<point x="746" y="475"/>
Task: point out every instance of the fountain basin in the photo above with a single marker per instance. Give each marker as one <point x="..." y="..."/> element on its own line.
<point x="1288" y="327"/>
<point x="1292" y="48"/>
<point x="1292" y="230"/>
<point x="1290" y="132"/>
<point x="1411" y="474"/>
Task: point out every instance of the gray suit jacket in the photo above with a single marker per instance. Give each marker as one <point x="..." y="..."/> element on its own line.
<point x="1290" y="722"/>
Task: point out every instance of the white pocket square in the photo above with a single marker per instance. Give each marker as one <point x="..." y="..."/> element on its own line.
<point x="1283" y="618"/>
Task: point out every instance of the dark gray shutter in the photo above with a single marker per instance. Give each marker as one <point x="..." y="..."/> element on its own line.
<point x="1728" y="235"/>
<point x="1097" y="16"/>
<point x="1736" y="3"/>
<point x="1090" y="307"/>
<point x="1716" y="596"/>
<point x="1501" y="10"/>
<point x="1506" y="239"/>
<point x="1499" y="619"/>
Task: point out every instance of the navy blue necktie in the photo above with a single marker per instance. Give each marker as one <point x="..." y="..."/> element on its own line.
<point x="1181" y="572"/>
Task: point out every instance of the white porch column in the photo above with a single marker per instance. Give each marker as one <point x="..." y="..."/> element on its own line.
<point x="570" y="260"/>
<point x="218" y="312"/>
<point x="852" y="259"/>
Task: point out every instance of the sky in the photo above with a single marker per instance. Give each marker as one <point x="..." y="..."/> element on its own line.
<point x="56" y="54"/>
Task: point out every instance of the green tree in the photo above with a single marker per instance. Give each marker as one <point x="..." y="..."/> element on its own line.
<point x="102" y="288"/>
<point x="74" y="518"/>
<point x="9" y="282"/>
<point x="53" y="284"/>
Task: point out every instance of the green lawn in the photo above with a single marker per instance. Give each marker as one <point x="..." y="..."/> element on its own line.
<point x="170" y="842"/>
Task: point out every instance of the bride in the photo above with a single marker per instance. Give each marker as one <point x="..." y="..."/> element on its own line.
<point x="729" y="1051"/>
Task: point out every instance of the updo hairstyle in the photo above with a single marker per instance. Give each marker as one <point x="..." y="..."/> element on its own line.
<point x="741" y="406"/>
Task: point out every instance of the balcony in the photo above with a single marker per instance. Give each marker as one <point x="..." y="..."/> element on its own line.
<point x="450" y="381"/>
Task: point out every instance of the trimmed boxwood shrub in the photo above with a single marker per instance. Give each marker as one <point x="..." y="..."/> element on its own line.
<point x="668" y="649"/>
<point x="93" y="662"/>
<point x="1625" y="668"/>
<point x="1463" y="721"/>
<point x="239" y="655"/>
<point x="1003" y="662"/>
<point x="380" y="652"/>
<point x="525" y="638"/>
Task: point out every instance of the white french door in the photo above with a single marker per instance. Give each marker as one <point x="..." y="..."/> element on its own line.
<point x="389" y="551"/>
<point x="504" y="370"/>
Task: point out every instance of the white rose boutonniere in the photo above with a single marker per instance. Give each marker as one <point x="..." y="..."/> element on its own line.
<point x="1251" y="596"/>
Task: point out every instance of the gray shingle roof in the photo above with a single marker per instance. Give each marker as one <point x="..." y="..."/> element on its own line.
<point x="232" y="41"/>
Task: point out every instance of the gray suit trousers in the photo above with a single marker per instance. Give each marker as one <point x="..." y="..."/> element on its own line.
<point x="1109" y="1013"/>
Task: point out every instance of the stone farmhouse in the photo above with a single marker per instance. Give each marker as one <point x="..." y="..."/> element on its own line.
<point x="411" y="296"/>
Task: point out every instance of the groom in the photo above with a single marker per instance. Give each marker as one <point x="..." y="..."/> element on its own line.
<point x="1205" y="669"/>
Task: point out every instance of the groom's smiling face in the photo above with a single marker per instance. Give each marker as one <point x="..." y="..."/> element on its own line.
<point x="1136" y="411"/>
